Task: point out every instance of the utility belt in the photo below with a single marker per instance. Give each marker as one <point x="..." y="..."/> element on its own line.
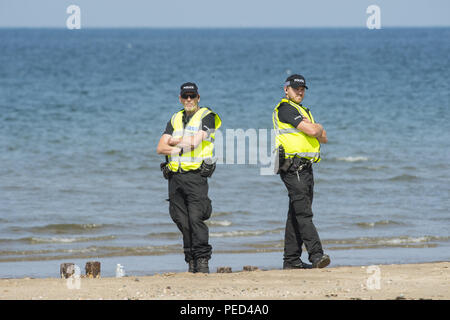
<point x="167" y="173"/>
<point x="299" y="164"/>
<point x="205" y="170"/>
<point x="294" y="164"/>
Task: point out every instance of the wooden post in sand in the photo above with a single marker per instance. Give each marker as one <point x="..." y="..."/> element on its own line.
<point x="66" y="270"/>
<point x="92" y="269"/>
<point x="250" y="268"/>
<point x="224" y="270"/>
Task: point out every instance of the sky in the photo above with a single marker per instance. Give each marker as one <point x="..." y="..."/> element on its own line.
<point x="223" y="13"/>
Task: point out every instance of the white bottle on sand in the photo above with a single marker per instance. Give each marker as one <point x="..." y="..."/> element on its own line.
<point x="119" y="271"/>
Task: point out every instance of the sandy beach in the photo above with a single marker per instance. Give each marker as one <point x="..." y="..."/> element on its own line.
<point x="408" y="281"/>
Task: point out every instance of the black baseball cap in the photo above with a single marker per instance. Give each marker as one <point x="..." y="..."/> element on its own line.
<point x="188" y="87"/>
<point x="296" y="81"/>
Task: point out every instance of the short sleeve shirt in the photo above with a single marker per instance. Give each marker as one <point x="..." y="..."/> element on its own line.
<point x="289" y="114"/>
<point x="208" y="122"/>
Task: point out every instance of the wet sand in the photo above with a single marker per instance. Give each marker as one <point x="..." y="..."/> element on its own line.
<point x="404" y="281"/>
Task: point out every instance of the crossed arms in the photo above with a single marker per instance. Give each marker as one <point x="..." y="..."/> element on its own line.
<point x="313" y="130"/>
<point x="169" y="145"/>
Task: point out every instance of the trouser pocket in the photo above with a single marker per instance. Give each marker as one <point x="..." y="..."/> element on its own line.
<point x="207" y="208"/>
<point x="301" y="204"/>
<point x="174" y="212"/>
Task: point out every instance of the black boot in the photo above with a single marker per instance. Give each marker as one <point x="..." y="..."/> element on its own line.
<point x="202" y="265"/>
<point x="297" y="265"/>
<point x="192" y="266"/>
<point x="321" y="262"/>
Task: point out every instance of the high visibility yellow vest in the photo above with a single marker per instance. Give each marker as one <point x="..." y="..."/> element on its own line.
<point x="192" y="160"/>
<point x="295" y="142"/>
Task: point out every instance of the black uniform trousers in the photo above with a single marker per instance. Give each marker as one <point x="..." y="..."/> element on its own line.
<point x="189" y="208"/>
<point x="299" y="225"/>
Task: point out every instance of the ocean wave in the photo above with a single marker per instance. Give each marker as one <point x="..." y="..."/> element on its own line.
<point x="34" y="240"/>
<point x="92" y="252"/>
<point x="353" y="243"/>
<point x="227" y="213"/>
<point x="403" y="177"/>
<point x="386" y="241"/>
<point x="407" y="240"/>
<point x="237" y="251"/>
<point x="164" y="235"/>
<point x="352" y="159"/>
<point x="267" y="245"/>
<point x="138" y="251"/>
<point x="96" y="252"/>
<point x="63" y="228"/>
<point x="36" y="253"/>
<point x="221" y="213"/>
<point x="243" y="233"/>
<point x="365" y="168"/>
<point x="381" y="223"/>
<point x="39" y="240"/>
<point x="375" y="168"/>
<point x="161" y="225"/>
<point x="424" y="245"/>
<point x="220" y="223"/>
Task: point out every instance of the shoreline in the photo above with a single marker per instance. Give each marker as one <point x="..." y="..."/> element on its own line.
<point x="380" y="282"/>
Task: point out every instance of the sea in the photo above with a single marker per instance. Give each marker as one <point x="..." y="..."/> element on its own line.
<point x="82" y="111"/>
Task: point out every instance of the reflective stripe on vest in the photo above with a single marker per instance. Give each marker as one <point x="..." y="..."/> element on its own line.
<point x="192" y="160"/>
<point x="294" y="141"/>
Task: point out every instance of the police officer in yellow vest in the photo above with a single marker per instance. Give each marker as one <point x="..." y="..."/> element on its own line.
<point x="188" y="144"/>
<point x="298" y="139"/>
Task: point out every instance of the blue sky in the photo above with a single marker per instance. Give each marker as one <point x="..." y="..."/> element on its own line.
<point x="224" y="13"/>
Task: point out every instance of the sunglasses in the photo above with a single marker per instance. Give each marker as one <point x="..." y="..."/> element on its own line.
<point x="189" y="95"/>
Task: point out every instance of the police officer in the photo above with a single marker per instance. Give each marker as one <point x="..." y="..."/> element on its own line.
<point x="188" y="144"/>
<point x="298" y="139"/>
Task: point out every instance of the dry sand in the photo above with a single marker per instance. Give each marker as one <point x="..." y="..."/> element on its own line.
<point x="408" y="281"/>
